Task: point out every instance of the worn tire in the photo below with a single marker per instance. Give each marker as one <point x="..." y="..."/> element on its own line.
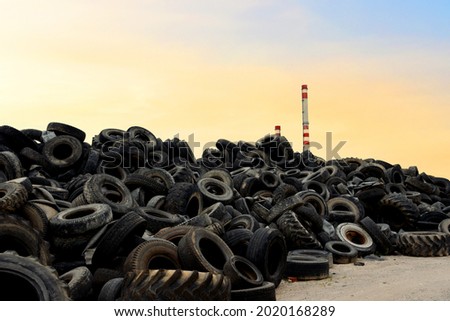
<point x="398" y="211"/>
<point x="184" y="199"/>
<point x="267" y="250"/>
<point x="214" y="190"/>
<point x="383" y="245"/>
<point x="296" y="234"/>
<point x="305" y="267"/>
<point x="16" y="234"/>
<point x="153" y="254"/>
<point x="424" y="244"/>
<point x="204" y="251"/>
<point x="357" y="237"/>
<point x="80" y="283"/>
<point x="175" y="285"/>
<point x="117" y="237"/>
<point x="63" y="151"/>
<point x="343" y="253"/>
<point x="25" y="279"/>
<point x="243" y="274"/>
<point x="12" y="197"/>
<point x="81" y="219"/>
<point x="121" y="201"/>
<point x="265" y="292"/>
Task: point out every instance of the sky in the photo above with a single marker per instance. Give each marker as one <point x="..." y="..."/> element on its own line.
<point x="378" y="72"/>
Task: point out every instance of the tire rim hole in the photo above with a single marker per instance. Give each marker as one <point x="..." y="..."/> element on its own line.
<point x="62" y="151"/>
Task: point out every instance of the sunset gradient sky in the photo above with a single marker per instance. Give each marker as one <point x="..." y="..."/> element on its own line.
<point x="378" y="72"/>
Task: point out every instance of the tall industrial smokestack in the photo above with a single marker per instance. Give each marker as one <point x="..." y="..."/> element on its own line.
<point x="278" y="131"/>
<point x="305" y="118"/>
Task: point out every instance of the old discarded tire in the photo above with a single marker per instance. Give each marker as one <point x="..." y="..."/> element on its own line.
<point x="111" y="290"/>
<point x="314" y="199"/>
<point x="264" y="292"/>
<point x="16" y="234"/>
<point x="107" y="189"/>
<point x="157" y="219"/>
<point x="424" y="243"/>
<point x="117" y="237"/>
<point x="345" y="209"/>
<point x="63" y="151"/>
<point x="267" y="250"/>
<point x="175" y="285"/>
<point x="204" y="251"/>
<point x="287" y="204"/>
<point x="153" y="254"/>
<point x="245" y="221"/>
<point x="343" y="253"/>
<point x="12" y="197"/>
<point x="80" y="283"/>
<point x="243" y="274"/>
<point x="296" y="234"/>
<point x="238" y="240"/>
<point x="214" y="191"/>
<point x="316" y="253"/>
<point x="383" y="245"/>
<point x="398" y="211"/>
<point x="25" y="279"/>
<point x="305" y="267"/>
<point x="81" y="219"/>
<point x="357" y="237"/>
<point x="174" y="234"/>
<point x="184" y="199"/>
<point x="10" y="165"/>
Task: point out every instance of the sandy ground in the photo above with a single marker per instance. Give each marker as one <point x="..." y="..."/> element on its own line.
<point x="394" y="278"/>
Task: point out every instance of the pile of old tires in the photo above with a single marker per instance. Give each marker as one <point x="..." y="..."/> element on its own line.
<point x="133" y="217"/>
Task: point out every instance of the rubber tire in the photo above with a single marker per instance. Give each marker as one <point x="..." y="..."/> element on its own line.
<point x="296" y="234"/>
<point x="243" y="274"/>
<point x="267" y="250"/>
<point x="214" y="191"/>
<point x="117" y="236"/>
<point x="12" y="197"/>
<point x="157" y="219"/>
<point x="175" y="285"/>
<point x="343" y="253"/>
<point x="16" y="234"/>
<point x="174" y="234"/>
<point x="383" y="246"/>
<point x="238" y="240"/>
<point x="111" y="290"/>
<point x="70" y="148"/>
<point x="93" y="193"/>
<point x="153" y="254"/>
<point x="317" y="253"/>
<point x="265" y="292"/>
<point x="305" y="267"/>
<point x="81" y="219"/>
<point x="398" y="211"/>
<point x="424" y="244"/>
<point x="25" y="279"/>
<point x="184" y="199"/>
<point x="204" y="251"/>
<point x="80" y="283"/>
<point x="357" y="237"/>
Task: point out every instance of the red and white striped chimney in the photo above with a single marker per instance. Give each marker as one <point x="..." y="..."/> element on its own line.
<point x="278" y="131"/>
<point x="305" y="118"/>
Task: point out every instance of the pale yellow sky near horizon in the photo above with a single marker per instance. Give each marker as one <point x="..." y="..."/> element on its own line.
<point x="99" y="66"/>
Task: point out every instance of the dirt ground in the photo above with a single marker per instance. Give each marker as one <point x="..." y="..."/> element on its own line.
<point x="393" y="278"/>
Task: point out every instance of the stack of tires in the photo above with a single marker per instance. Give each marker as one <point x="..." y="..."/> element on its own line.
<point x="133" y="217"/>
